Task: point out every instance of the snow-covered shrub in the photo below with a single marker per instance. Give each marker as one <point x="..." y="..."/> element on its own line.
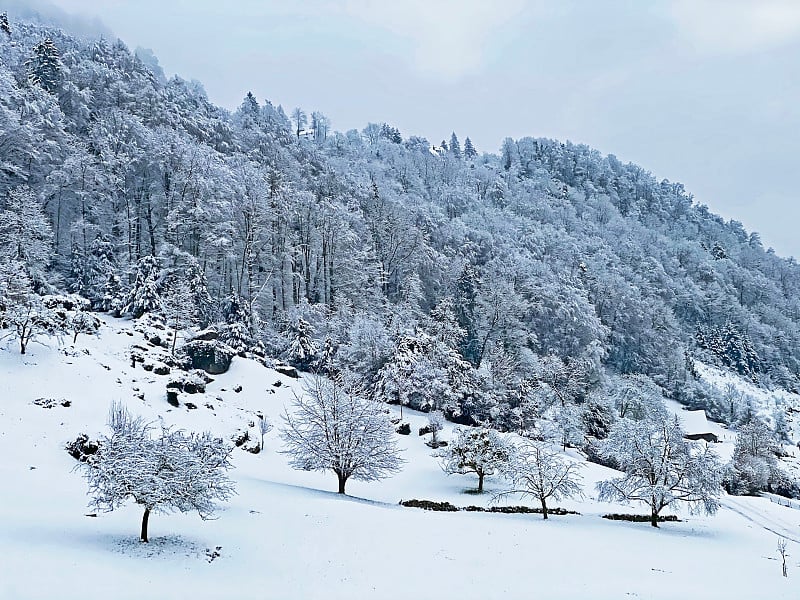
<point x="145" y="295"/>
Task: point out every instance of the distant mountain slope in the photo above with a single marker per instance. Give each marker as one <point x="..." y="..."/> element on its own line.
<point x="547" y="255"/>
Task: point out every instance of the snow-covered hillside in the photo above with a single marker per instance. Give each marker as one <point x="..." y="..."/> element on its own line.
<point x="288" y="535"/>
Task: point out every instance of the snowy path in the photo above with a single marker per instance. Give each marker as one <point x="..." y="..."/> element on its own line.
<point x="783" y="526"/>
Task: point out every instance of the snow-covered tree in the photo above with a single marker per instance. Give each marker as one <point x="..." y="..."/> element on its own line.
<point x="455" y="147"/>
<point x="145" y="295"/>
<point x="331" y="427"/>
<point x="426" y="374"/>
<point x="635" y="397"/>
<point x="482" y="451"/>
<point x="44" y="67"/>
<point x="435" y="425"/>
<point x="162" y="470"/>
<point x="25" y="235"/>
<point x="5" y="27"/>
<point x="179" y="308"/>
<point x="469" y="149"/>
<point x="21" y="310"/>
<point x="80" y="321"/>
<point x="368" y="345"/>
<point x="754" y="467"/>
<point x="540" y="472"/>
<point x="300" y="120"/>
<point x="303" y="351"/>
<point x="660" y="467"/>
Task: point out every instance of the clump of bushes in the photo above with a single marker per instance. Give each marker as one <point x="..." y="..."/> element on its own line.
<point x="641" y="518"/>
<point x="447" y="507"/>
<point x="430" y="505"/>
<point x="81" y="448"/>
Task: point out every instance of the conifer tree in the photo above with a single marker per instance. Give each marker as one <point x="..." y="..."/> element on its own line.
<point x="455" y="147"/>
<point x="469" y="150"/>
<point x="44" y="67"/>
<point x="5" y="27"/>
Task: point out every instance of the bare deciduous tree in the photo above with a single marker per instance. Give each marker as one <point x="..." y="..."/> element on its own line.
<point x="334" y="428"/>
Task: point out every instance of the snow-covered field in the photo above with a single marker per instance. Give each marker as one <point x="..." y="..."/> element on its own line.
<point x="288" y="535"/>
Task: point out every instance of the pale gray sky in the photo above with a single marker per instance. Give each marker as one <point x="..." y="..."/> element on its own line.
<point x="706" y="92"/>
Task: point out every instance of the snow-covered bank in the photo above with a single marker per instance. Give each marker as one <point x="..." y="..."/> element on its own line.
<point x="288" y="534"/>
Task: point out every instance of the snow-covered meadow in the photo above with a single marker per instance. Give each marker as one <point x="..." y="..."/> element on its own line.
<point x="287" y="534"/>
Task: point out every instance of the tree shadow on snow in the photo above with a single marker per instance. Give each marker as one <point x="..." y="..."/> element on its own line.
<point x="311" y="491"/>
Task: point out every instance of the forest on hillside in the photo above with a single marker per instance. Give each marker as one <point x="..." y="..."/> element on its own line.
<point x="492" y="286"/>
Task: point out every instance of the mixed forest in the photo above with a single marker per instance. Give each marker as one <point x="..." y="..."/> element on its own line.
<point x="542" y="283"/>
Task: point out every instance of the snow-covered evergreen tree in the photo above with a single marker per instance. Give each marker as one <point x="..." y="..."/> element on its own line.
<point x="333" y="428"/>
<point x="469" y="149"/>
<point x="145" y="295"/>
<point x="44" y="66"/>
<point x="455" y="147"/>
<point x="303" y="352"/>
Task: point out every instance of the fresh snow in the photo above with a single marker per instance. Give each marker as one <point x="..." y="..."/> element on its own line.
<point x="288" y="535"/>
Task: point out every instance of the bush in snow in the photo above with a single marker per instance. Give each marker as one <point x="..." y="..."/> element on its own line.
<point x="660" y="467"/>
<point x="162" y="471"/>
<point x="481" y="451"/>
<point x="81" y="448"/>
<point x="334" y="428"/>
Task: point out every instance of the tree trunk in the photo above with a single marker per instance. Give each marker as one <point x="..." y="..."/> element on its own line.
<point x="654" y="518"/>
<point x="342" y="482"/>
<point x="175" y="335"/>
<point x="480" y="482"/>
<point x="145" y="519"/>
<point x="544" y="507"/>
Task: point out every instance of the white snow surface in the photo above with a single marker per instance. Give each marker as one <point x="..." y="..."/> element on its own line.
<point x="288" y="535"/>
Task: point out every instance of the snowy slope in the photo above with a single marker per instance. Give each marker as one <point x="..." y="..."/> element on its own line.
<point x="287" y="535"/>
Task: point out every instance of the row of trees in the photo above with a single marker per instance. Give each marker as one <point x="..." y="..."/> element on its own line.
<point x="334" y="427"/>
<point x="660" y="468"/>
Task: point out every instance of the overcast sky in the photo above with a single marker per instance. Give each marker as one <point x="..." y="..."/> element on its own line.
<point x="705" y="92"/>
